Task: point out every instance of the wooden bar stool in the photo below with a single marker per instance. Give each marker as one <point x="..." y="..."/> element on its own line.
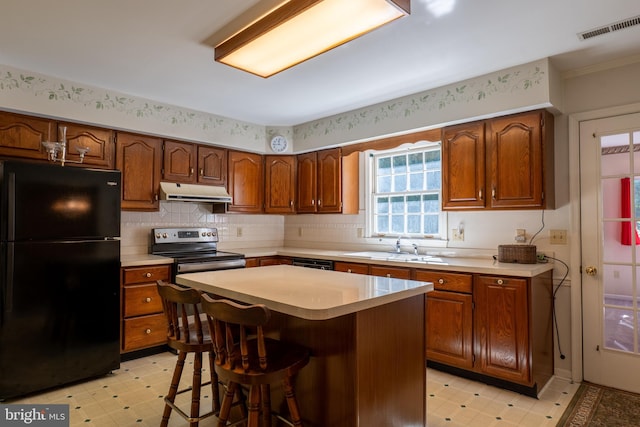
<point x="245" y="357"/>
<point x="186" y="334"/>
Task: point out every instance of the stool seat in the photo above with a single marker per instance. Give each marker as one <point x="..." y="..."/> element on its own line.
<point x="245" y="357"/>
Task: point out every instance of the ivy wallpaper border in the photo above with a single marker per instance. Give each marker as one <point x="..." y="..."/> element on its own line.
<point x="99" y="100"/>
<point x="470" y="91"/>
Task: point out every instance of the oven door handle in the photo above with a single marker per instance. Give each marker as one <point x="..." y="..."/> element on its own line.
<point x="211" y="266"/>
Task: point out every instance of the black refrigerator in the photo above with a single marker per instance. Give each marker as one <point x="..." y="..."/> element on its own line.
<point x="59" y="266"/>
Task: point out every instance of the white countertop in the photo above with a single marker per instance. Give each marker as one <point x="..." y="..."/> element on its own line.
<point x="448" y="263"/>
<point x="304" y="292"/>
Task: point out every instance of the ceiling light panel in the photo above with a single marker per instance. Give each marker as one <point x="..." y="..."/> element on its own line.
<point x="301" y="29"/>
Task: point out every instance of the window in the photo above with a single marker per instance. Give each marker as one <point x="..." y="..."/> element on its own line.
<point x="406" y="190"/>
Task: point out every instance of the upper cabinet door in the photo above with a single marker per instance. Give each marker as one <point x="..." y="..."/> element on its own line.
<point x="212" y="165"/>
<point x="515" y="156"/>
<point x="280" y="184"/>
<point x="179" y="162"/>
<point x="463" y="166"/>
<point x="246" y="182"/>
<point x="307" y="175"/>
<point x="329" y="181"/>
<point x="139" y="158"/>
<point x="100" y="142"/>
<point x="22" y="136"/>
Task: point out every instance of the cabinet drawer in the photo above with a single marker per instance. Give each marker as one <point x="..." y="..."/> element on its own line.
<point x="141" y="299"/>
<point x="349" y="267"/>
<point x="392" y="272"/>
<point x="144" y="331"/>
<point x="146" y="274"/>
<point x="455" y="282"/>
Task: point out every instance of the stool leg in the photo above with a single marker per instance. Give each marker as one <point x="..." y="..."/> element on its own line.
<point x="265" y="391"/>
<point x="227" y="400"/>
<point x="294" y="412"/>
<point x="173" y="388"/>
<point x="215" y="387"/>
<point x="195" y="388"/>
<point x="254" y="406"/>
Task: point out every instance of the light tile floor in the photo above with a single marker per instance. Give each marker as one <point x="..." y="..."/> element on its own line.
<point x="133" y="396"/>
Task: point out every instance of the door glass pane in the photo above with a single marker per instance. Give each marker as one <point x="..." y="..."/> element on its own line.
<point x="620" y="201"/>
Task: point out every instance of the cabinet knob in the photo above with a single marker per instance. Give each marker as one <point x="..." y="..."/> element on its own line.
<point x="190" y="171"/>
<point x="389" y="275"/>
<point x="313" y="202"/>
<point x="201" y="171"/>
<point x="441" y="281"/>
<point x="290" y="202"/>
<point x="493" y="193"/>
<point x="147" y="275"/>
<point x="348" y="270"/>
<point x="319" y="202"/>
<point x="500" y="282"/>
<point x="147" y="299"/>
<point x="480" y="194"/>
<point x="147" y="331"/>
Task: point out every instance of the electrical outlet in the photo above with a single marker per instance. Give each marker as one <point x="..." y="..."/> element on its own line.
<point x="457" y="235"/>
<point x="558" y="237"/>
<point x="239" y="232"/>
<point x="521" y="235"/>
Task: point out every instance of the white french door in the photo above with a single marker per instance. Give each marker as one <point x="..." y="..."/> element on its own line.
<point x="610" y="216"/>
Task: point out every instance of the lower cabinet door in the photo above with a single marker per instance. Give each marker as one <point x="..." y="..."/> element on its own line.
<point x="502" y="328"/>
<point x="449" y="328"/>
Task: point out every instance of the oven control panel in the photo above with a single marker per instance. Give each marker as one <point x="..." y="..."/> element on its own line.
<point x="184" y="235"/>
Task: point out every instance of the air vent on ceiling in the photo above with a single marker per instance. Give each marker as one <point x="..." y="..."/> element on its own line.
<point x="620" y="25"/>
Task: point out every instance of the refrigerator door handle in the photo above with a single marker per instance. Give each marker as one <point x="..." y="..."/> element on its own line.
<point x="11" y="207"/>
<point x="8" y="296"/>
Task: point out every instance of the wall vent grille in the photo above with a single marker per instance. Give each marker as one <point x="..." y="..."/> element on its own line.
<point x="616" y="26"/>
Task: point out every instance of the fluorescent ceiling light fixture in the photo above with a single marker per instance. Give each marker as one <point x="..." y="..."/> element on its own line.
<point x="301" y="29"/>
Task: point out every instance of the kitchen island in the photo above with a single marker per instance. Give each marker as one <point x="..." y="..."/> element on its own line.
<point x="365" y="333"/>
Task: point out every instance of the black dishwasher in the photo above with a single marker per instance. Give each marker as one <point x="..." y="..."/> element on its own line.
<point x="320" y="264"/>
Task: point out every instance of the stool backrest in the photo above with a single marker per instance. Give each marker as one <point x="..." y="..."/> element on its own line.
<point x="181" y="307"/>
<point x="233" y="326"/>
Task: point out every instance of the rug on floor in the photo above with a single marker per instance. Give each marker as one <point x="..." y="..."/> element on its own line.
<point x="594" y="406"/>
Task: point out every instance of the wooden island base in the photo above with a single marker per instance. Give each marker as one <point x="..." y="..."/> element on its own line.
<point x="367" y="368"/>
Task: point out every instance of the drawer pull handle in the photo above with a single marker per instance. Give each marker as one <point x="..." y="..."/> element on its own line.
<point x="441" y="281"/>
<point x="147" y="275"/>
<point x="147" y="299"/>
<point x="147" y="331"/>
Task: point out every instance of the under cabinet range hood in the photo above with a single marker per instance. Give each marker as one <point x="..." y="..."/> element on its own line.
<point x="193" y="193"/>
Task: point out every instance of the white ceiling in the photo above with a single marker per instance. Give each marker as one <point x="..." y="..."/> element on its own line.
<point x="155" y="49"/>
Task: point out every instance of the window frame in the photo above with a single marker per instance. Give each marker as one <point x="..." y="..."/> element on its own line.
<point x="438" y="240"/>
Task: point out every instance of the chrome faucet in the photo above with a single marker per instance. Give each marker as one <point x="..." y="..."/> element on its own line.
<point x="415" y="248"/>
<point x="398" y="245"/>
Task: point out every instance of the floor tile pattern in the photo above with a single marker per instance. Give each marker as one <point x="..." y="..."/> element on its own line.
<point x="133" y="396"/>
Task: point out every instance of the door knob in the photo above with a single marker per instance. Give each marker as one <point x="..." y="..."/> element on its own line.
<point x="591" y="271"/>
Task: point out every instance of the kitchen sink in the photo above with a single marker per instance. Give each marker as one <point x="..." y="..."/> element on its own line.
<point x="389" y="256"/>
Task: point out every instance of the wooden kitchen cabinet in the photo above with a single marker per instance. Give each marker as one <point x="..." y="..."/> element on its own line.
<point x="449" y="318"/>
<point x="100" y="142"/>
<point x="143" y="321"/>
<point x="463" y="166"/>
<point x="280" y="184"/>
<point x="520" y="161"/>
<point x="327" y="182"/>
<point x="189" y="163"/>
<point x="500" y="163"/>
<point x="22" y="136"/>
<point x="351" y="267"/>
<point x="139" y="158"/>
<point x="246" y="182"/>
<point x="179" y="162"/>
<point x="212" y="165"/>
<point x="502" y="328"/>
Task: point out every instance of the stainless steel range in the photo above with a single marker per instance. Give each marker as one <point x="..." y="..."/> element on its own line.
<point x="193" y="249"/>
